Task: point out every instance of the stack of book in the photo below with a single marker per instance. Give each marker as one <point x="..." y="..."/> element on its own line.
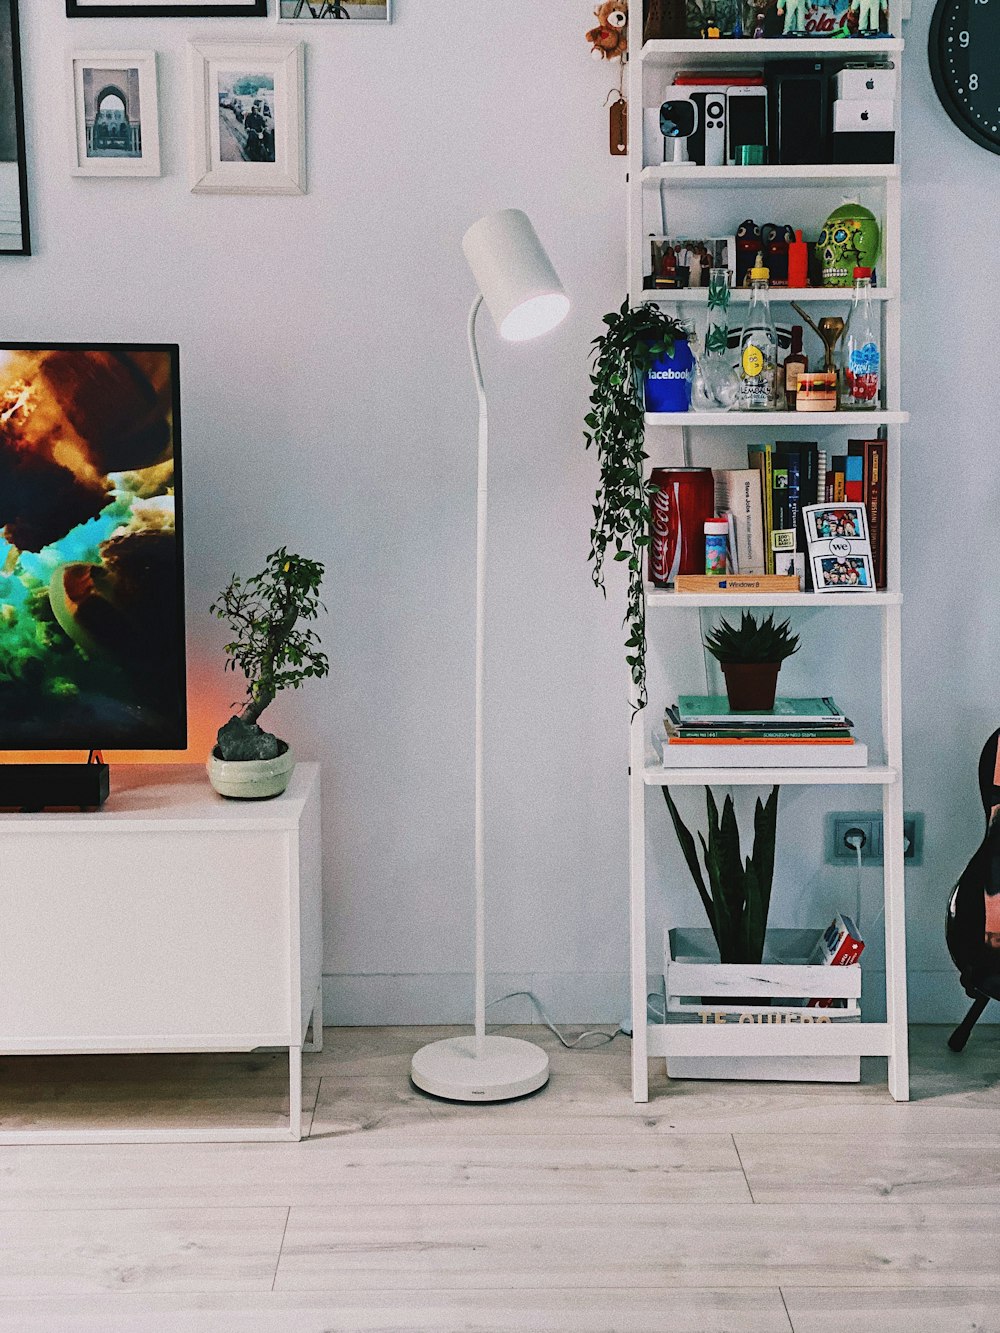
<point x="764" y="502"/>
<point x="701" y="731"/>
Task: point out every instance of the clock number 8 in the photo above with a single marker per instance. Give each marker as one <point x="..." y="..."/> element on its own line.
<point x="973" y="82"/>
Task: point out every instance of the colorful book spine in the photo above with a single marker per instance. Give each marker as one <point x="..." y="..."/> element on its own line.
<point x="854" y="479"/>
<point x="784" y="510"/>
<point x="738" y="492"/>
<point x="760" y="458"/>
<point x="873" y="457"/>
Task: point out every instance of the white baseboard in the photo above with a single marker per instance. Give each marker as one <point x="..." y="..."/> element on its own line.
<point x="388" y="1000"/>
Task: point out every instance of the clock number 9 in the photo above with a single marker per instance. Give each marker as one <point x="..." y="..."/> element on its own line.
<point x="963" y="40"/>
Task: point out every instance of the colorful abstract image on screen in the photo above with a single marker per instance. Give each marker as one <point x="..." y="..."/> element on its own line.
<point x="91" y="621"/>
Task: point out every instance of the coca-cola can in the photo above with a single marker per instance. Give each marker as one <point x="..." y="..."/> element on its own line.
<point x="683" y="500"/>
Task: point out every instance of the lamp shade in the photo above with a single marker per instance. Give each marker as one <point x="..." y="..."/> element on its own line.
<point x="521" y="289"/>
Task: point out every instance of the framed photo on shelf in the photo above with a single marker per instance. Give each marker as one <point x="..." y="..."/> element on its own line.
<point x="115" y="117"/>
<point x="248" y="122"/>
<point x="840" y="553"/>
<point x="15" y="238"/>
<point x="309" y="11"/>
<point x="122" y="9"/>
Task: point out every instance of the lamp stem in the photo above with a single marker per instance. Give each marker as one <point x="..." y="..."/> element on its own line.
<point x="480" y="866"/>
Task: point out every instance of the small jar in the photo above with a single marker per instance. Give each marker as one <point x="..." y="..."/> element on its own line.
<point x="716" y="544"/>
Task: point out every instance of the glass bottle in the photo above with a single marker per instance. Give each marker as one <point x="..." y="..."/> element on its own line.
<point x="758" y="348"/>
<point x="862" y="363"/>
<point x="716" y="383"/>
<point x="794" y="364"/>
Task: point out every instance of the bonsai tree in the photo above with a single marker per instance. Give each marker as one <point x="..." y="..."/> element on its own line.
<point x="753" y="641"/>
<point x="268" y="645"/>
<point x="633" y="339"/>
<point x="738" y="894"/>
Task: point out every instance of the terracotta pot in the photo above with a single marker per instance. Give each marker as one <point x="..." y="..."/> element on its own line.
<point x="751" y="686"/>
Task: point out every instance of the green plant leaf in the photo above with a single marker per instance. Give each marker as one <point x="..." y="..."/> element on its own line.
<point x="691" y="857"/>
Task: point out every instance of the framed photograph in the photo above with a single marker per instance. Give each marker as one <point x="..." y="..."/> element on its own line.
<point x="115" y="118"/>
<point x="15" y="238"/>
<point x="118" y="9"/>
<point x="306" y="11"/>
<point x="248" y="126"/>
<point x="840" y="553"/>
<point x="686" y="261"/>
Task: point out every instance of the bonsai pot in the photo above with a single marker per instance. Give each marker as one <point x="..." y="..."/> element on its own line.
<point x="751" y="686"/>
<point x="250" y="779"/>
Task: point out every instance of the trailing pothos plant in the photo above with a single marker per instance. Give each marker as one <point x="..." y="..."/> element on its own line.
<point x="635" y="337"/>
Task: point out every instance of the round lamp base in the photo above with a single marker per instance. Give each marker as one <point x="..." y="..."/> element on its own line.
<point x="505" y="1068"/>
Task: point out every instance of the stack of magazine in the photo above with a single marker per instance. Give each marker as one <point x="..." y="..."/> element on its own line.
<point x="701" y="731"/>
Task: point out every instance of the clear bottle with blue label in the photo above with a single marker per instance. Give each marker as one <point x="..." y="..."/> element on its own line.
<point x="862" y="361"/>
<point x="758" y="349"/>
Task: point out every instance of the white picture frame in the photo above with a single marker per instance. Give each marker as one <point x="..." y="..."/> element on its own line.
<point x="323" y="13"/>
<point x="840" y="553"/>
<point x="230" y="82"/>
<point x="114" y="114"/>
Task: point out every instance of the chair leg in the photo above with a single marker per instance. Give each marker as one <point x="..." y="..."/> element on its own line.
<point x="960" y="1036"/>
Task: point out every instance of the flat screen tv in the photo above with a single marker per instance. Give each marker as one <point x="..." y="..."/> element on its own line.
<point x="91" y="569"/>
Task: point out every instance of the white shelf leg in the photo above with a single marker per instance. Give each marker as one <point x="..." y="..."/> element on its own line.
<point x="295" y="1092"/>
<point x="314" y="1032"/>
<point x="893" y="872"/>
<point x="637" y="913"/>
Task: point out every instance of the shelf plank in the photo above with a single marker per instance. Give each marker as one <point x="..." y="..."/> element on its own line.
<point x="666" y="50"/>
<point x="876" y="775"/>
<point x="666" y="597"/>
<point x="803" y="420"/>
<point x="776" y="295"/>
<point x="843" y="1037"/>
<point x="725" y="178"/>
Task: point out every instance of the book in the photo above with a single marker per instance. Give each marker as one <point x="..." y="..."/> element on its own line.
<point x="710" y="708"/>
<point x="873" y="456"/>
<point x="749" y="755"/>
<point x="765" y="738"/>
<point x="854" y="477"/>
<point x="759" y="457"/>
<point x="738" y="492"/>
<point x="838" y="465"/>
<point x="784" y="509"/>
<point x="749" y="730"/>
<point x="840" y="945"/>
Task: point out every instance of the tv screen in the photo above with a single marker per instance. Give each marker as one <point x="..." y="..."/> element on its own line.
<point x="91" y="570"/>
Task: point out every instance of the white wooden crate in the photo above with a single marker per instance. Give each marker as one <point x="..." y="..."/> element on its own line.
<point x="701" y="990"/>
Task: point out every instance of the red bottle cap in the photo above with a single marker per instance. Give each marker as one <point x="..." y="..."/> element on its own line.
<point x="862" y="273"/>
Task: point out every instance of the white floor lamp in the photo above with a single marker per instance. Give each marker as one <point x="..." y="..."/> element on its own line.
<point x="526" y="299"/>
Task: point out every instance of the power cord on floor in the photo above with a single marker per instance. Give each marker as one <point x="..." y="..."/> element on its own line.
<point x="605" y="1037"/>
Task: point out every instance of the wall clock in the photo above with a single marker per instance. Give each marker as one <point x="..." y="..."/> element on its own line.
<point x="963" y="45"/>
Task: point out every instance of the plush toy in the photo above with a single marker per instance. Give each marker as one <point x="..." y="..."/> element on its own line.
<point x="609" y="39"/>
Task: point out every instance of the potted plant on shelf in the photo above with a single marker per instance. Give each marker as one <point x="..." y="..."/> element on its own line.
<point x="738" y="895"/>
<point x="273" y="653"/>
<point x="635" y="338"/>
<point x="751" y="656"/>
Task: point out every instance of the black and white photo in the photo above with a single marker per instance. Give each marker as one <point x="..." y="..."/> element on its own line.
<point x="14" y="236"/>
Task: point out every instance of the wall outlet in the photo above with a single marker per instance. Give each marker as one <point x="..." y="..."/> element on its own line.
<point x="869" y="822"/>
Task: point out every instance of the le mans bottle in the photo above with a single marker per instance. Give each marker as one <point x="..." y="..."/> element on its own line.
<point x="758" y="348"/>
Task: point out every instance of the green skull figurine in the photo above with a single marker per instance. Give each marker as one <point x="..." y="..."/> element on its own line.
<point x="850" y="237"/>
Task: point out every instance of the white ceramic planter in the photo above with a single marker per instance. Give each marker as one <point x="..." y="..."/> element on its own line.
<point x="250" y="779"/>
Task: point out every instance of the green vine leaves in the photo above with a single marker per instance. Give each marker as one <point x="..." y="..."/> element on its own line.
<point x="633" y="338"/>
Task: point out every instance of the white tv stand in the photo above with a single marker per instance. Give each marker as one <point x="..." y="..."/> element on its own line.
<point x="171" y="920"/>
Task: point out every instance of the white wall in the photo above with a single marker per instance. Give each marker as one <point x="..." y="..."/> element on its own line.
<point x="327" y="405"/>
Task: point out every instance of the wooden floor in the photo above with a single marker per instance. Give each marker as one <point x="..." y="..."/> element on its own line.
<point x="755" y="1208"/>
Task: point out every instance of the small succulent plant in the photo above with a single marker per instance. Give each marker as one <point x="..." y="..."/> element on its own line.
<point x="752" y="641"/>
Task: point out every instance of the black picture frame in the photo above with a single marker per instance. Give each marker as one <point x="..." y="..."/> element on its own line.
<point x="21" y="156"/>
<point x="77" y="9"/>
